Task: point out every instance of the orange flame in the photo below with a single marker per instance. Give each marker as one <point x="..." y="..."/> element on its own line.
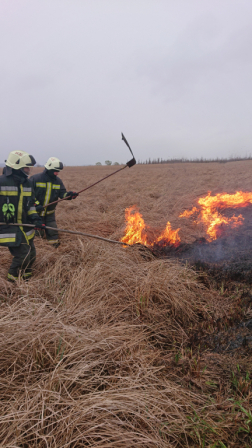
<point x="135" y="229"/>
<point x="209" y="213"/>
<point x="138" y="232"/>
<point x="168" y="236"/>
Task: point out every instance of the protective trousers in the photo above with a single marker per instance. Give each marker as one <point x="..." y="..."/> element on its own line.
<point x="23" y="258"/>
<point x="52" y="236"/>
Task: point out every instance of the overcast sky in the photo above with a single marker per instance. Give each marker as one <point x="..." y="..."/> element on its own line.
<point x="175" y="76"/>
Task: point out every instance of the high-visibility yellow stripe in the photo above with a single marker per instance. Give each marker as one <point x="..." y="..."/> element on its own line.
<point x="31" y="212"/>
<point x="47" y="196"/>
<point x="7" y="240"/>
<point x="31" y="235"/>
<point x="41" y="184"/>
<point x="56" y="187"/>
<point x="27" y="193"/>
<point x="20" y="209"/>
<point x="12" y="277"/>
<point x="20" y="206"/>
<point x="7" y="235"/>
<point x="50" y="212"/>
<point x="27" y="274"/>
<point x="53" y="241"/>
<point x="9" y="193"/>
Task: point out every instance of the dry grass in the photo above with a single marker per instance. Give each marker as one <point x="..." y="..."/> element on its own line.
<point x="95" y="347"/>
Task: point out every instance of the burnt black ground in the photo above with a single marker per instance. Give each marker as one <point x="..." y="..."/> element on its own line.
<point x="225" y="265"/>
<point x="229" y="257"/>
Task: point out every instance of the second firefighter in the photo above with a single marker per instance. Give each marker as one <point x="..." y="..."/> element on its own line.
<point x="48" y="188"/>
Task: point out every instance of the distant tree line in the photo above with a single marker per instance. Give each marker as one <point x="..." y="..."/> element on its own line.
<point x="108" y="162"/>
<point x="196" y="160"/>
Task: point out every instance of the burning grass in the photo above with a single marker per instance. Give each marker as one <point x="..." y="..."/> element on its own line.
<point x="112" y="347"/>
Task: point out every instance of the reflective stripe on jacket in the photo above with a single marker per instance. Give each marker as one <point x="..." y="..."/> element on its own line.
<point x="47" y="190"/>
<point x="17" y="198"/>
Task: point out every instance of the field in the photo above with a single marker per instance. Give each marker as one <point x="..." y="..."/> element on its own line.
<point x="111" y="346"/>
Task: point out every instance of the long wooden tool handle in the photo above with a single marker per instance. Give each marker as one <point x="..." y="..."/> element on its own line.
<point x="84" y="189"/>
<point x="70" y="231"/>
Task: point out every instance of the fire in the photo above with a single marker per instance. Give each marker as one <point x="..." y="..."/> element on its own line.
<point x="168" y="236"/>
<point x="138" y="232"/>
<point x="209" y="211"/>
<point x="135" y="229"/>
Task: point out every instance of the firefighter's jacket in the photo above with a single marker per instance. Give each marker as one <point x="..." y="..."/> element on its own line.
<point x="16" y="206"/>
<point x="47" y="189"/>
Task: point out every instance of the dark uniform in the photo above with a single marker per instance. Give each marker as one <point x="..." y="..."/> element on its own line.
<point x="17" y="206"/>
<point x="48" y="188"/>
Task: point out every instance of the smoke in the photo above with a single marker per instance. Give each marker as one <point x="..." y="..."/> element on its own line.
<point x="231" y="252"/>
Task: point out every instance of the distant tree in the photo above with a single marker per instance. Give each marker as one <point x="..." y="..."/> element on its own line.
<point x="116" y="163"/>
<point x="108" y="162"/>
<point x="98" y="163"/>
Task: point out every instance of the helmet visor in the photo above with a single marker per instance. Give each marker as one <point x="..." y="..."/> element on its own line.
<point x="59" y="168"/>
<point x="33" y="161"/>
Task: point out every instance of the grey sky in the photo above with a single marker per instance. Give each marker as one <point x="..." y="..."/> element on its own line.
<point x="175" y="76"/>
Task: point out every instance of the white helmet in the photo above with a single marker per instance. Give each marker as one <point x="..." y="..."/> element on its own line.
<point x="54" y="164"/>
<point x="19" y="159"/>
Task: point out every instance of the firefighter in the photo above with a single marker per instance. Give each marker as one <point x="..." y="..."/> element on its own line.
<point x="17" y="206"/>
<point x="48" y="188"/>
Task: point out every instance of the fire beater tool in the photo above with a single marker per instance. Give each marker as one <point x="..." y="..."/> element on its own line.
<point x="68" y="231"/>
<point x="130" y="163"/>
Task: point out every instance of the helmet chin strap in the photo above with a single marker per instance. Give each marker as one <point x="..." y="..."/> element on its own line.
<point x="24" y="173"/>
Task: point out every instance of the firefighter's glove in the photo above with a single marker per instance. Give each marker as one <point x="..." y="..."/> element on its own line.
<point x="39" y="225"/>
<point x="71" y="195"/>
<point x="39" y="208"/>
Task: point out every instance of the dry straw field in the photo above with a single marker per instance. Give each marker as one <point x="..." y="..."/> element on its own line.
<point x="99" y="348"/>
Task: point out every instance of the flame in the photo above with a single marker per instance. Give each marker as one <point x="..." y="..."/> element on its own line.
<point x="188" y="213"/>
<point x="168" y="236"/>
<point x="138" y="232"/>
<point x="209" y="211"/>
<point x="134" y="232"/>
